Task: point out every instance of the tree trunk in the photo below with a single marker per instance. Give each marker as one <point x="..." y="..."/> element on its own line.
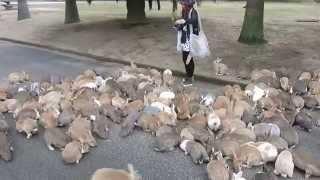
<point x="23" y="10"/>
<point x="252" y="28"/>
<point x="71" y="12"/>
<point x="136" y="11"/>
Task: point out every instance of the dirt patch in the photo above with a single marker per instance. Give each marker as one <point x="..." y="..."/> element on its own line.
<point x="291" y="45"/>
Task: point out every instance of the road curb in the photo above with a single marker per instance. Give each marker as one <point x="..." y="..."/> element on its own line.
<point x="216" y="80"/>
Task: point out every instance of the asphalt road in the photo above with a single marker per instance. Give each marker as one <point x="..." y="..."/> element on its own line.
<point x="33" y="161"/>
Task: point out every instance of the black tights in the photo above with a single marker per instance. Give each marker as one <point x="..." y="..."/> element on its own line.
<point x="189" y="67"/>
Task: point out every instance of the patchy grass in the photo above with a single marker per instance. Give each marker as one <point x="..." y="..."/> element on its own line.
<point x="102" y="31"/>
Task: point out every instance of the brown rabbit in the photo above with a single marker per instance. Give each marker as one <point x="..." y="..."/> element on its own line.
<point x="27" y="113"/>
<point x="115" y="174"/>
<point x="221" y="102"/>
<point x="55" y="137"/>
<point x="72" y="152"/>
<point x="28" y="126"/>
<point x="49" y="119"/>
<point x="167" y="119"/>
<point x="80" y="130"/>
<point x="182" y="106"/>
<point x="136" y="105"/>
<point x="247" y="156"/>
<point x="149" y="122"/>
<point x="218" y="169"/>
<point x="197" y="152"/>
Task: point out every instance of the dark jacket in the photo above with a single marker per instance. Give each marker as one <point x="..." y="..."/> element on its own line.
<point x="195" y="26"/>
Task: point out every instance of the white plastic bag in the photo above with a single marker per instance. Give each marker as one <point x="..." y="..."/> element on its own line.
<point x="199" y="43"/>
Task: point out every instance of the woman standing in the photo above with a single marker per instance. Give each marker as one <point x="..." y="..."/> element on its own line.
<point x="188" y="24"/>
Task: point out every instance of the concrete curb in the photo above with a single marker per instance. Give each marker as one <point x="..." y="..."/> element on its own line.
<point x="216" y="80"/>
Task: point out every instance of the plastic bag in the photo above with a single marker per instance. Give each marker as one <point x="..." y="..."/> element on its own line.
<point x="199" y="43"/>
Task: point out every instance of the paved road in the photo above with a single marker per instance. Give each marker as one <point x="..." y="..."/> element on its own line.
<point x="33" y="161"/>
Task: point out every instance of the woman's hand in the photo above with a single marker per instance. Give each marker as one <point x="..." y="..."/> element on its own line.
<point x="180" y="21"/>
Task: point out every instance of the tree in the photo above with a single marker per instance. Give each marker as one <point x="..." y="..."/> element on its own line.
<point x="252" y="28"/>
<point x="136" y="11"/>
<point x="23" y="10"/>
<point x="71" y="12"/>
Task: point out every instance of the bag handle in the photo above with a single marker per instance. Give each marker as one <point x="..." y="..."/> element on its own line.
<point x="199" y="20"/>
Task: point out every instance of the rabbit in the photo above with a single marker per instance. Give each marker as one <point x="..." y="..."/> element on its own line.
<point x="55" y="138"/>
<point x="300" y="87"/>
<point x="28" y="126"/>
<point x="218" y="169"/>
<point x="136" y="105"/>
<point x="284" y="164"/>
<point x="149" y="122"/>
<point x="168" y="78"/>
<point x="115" y="174"/>
<point x="3" y="107"/>
<point x="197" y="152"/>
<point x="284" y="83"/>
<point x="118" y="102"/>
<point x="49" y="119"/>
<point x="268" y="151"/>
<point x="219" y="67"/>
<point x="198" y="121"/>
<point x="18" y="77"/>
<point x="238" y="176"/>
<point x="4" y="127"/>
<point x="214" y="122"/>
<point x="129" y="123"/>
<point x="5" y="147"/>
<point x="167" y="119"/>
<point x="187" y="133"/>
<point x="304" y="121"/>
<point x="257" y="74"/>
<point x="80" y="130"/>
<point x="3" y="94"/>
<point x="221" y="102"/>
<point x="51" y="100"/>
<point x="105" y="98"/>
<point x="66" y="117"/>
<point x="182" y="107"/>
<point x="166" y="142"/>
<point x="305" y="76"/>
<point x="314" y="87"/>
<point x="227" y="147"/>
<point x="298" y="102"/>
<point x="72" y="152"/>
<point x="265" y="130"/>
<point x="290" y="135"/>
<point x="265" y="174"/>
<point x="247" y="156"/>
<point x="304" y="160"/>
<point x="111" y="112"/>
<point x="101" y="127"/>
<point x="27" y="113"/>
<point x="278" y="142"/>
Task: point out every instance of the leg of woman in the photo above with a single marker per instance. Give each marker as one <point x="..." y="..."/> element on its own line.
<point x="184" y="59"/>
<point x="189" y="67"/>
